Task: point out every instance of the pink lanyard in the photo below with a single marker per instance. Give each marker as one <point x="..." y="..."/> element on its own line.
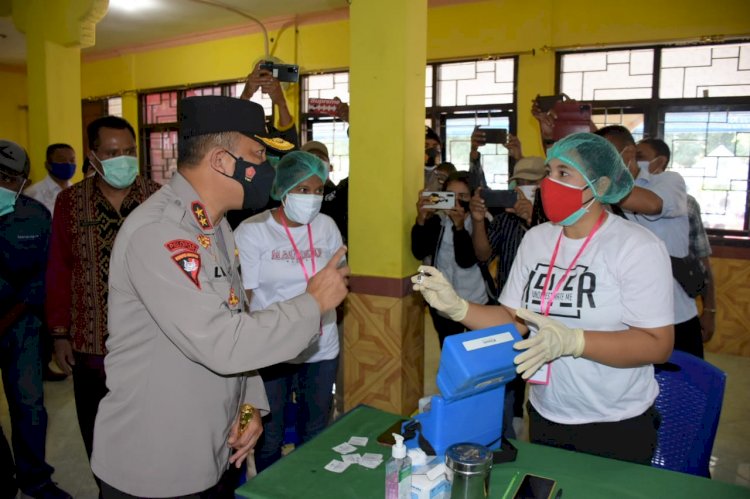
<point x="299" y="255"/>
<point x="296" y="250"/>
<point x="547" y="303"/>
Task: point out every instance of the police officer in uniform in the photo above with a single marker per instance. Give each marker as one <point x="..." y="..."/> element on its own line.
<point x="24" y="238"/>
<point x="180" y="343"/>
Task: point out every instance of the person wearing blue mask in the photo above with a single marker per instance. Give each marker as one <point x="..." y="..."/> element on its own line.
<point x="185" y="398"/>
<point x="87" y="218"/>
<point x="61" y="166"/>
<point x="24" y="237"/>
<point x="594" y="292"/>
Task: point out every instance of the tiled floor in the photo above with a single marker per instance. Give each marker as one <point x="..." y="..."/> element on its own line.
<point x="731" y="449"/>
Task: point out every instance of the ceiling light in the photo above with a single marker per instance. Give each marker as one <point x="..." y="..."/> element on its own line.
<point x="131" y="5"/>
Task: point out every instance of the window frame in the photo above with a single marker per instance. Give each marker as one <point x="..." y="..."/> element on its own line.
<point x="438" y="115"/>
<point x="655" y="109"/>
<point x="145" y="129"/>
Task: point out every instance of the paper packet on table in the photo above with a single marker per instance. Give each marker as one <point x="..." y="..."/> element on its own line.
<point x="428" y="479"/>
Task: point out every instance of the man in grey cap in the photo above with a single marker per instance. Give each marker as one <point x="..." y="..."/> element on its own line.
<point x="182" y="351"/>
<point x="24" y="238"/>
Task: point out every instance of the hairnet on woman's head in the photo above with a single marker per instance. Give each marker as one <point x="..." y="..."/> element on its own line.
<point x="594" y="157"/>
<point x="293" y="168"/>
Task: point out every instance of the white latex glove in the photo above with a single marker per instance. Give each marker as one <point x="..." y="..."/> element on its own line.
<point x="553" y="339"/>
<point x="439" y="293"/>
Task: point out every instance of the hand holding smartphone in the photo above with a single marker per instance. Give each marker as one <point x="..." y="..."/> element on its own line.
<point x="439" y="200"/>
<point x="499" y="199"/>
<point x="282" y="72"/>
<point x="494" y="135"/>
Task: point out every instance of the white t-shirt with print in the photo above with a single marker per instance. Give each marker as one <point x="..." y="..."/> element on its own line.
<point x="270" y="269"/>
<point x="621" y="279"/>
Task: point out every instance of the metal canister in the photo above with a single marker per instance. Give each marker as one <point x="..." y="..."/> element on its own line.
<point x="469" y="467"/>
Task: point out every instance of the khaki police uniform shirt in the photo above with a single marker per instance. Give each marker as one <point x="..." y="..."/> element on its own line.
<point x="178" y="341"/>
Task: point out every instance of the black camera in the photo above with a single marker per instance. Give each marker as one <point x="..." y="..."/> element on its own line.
<point x="282" y="72"/>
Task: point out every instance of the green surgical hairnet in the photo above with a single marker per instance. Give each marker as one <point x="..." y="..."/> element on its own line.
<point x="293" y="168"/>
<point x="594" y="157"/>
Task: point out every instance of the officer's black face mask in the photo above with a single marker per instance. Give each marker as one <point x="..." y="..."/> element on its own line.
<point x="256" y="181"/>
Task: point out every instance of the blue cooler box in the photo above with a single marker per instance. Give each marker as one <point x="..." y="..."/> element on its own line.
<point x="474" y="369"/>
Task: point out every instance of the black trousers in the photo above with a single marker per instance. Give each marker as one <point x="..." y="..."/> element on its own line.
<point x="222" y="490"/>
<point x="632" y="440"/>
<point x="89" y="388"/>
<point x="688" y="338"/>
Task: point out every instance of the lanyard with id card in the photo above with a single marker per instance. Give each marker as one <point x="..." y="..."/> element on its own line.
<point x="299" y="255"/>
<point x="542" y="375"/>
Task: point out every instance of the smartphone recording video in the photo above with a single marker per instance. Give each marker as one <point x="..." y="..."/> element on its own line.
<point x="495" y="135"/>
<point x="440" y="200"/>
<point x="545" y="102"/>
<point x="282" y="72"/>
<point x="499" y="199"/>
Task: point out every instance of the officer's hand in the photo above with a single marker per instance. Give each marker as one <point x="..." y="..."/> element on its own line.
<point x="329" y="286"/>
<point x="64" y="355"/>
<point x="243" y="443"/>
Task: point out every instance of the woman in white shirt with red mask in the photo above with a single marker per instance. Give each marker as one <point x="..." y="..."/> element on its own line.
<point x="280" y="249"/>
<point x="599" y="319"/>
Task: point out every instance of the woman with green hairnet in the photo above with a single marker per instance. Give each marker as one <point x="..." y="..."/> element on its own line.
<point x="594" y="293"/>
<point x="280" y="249"/>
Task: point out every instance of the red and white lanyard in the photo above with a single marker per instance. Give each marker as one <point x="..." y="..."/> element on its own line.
<point x="546" y="302"/>
<point x="299" y="255"/>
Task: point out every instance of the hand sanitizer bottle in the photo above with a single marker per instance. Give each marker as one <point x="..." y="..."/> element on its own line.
<point x="398" y="471"/>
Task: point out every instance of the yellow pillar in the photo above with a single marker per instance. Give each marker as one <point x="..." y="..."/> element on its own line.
<point x="55" y="30"/>
<point x="384" y="339"/>
<point x="130" y="113"/>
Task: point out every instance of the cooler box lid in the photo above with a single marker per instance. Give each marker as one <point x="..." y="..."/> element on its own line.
<point x="476" y="361"/>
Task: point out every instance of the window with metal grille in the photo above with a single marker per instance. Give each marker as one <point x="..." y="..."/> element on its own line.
<point x="458" y="97"/>
<point x="159" y="126"/>
<point x="693" y="97"/>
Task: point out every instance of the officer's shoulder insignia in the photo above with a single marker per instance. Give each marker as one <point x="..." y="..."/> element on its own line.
<point x="199" y="212"/>
<point x="276" y="143"/>
<point x="181" y="244"/>
<point x="190" y="263"/>
<point x="204" y="240"/>
<point x="233" y="299"/>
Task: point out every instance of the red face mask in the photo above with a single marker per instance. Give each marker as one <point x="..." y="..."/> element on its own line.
<point x="562" y="202"/>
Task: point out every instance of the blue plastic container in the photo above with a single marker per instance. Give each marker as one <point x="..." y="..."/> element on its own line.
<point x="474" y="369"/>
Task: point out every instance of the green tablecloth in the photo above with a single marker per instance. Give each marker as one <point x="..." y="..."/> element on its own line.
<point x="581" y="476"/>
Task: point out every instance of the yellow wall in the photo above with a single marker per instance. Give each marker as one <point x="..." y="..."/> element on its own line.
<point x="457" y="31"/>
<point x="14" y="106"/>
<point x="464" y="30"/>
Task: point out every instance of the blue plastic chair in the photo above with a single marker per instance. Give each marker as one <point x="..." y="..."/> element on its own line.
<point x="691" y="392"/>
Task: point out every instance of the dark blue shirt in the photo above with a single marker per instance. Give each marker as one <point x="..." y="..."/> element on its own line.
<point x="24" y="238"/>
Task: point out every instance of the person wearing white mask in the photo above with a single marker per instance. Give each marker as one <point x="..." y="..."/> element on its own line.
<point x="280" y="250"/>
<point x="670" y="224"/>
